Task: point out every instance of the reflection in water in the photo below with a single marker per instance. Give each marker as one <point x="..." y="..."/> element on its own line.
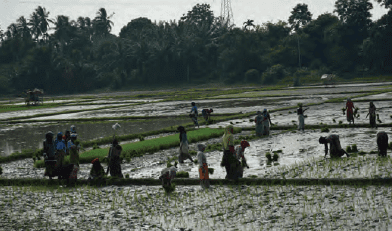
<point x="32" y="136"/>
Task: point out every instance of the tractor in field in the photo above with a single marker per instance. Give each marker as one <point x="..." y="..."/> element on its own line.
<point x="34" y="97"/>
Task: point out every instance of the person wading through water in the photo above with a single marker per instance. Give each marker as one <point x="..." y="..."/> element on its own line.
<point x="382" y="143"/>
<point x="194" y="114"/>
<point x="372" y="113"/>
<point x="203" y="166"/>
<point x="228" y="160"/>
<point x="61" y="149"/>
<point x="266" y="122"/>
<point x="350" y="112"/>
<point x="74" y="158"/>
<point x="184" y="148"/>
<point x="301" y="117"/>
<point x="239" y="155"/>
<point x="334" y="143"/>
<point x="259" y="124"/>
<point x="49" y="153"/>
<point x="114" y="160"/>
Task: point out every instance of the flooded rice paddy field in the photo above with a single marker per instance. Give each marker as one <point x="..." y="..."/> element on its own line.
<point x="189" y="208"/>
<point x="30" y="136"/>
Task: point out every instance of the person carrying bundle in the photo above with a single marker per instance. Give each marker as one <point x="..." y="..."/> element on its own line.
<point x="239" y="155"/>
<point x="114" y="160"/>
<point x="194" y="114"/>
<point x="350" y="110"/>
<point x="301" y="117"/>
<point x="206" y="113"/>
<point x="336" y="149"/>
<point x="184" y="148"/>
<point x="167" y="175"/>
<point x="203" y="167"/>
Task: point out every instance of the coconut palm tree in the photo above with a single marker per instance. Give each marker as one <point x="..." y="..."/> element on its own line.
<point x="102" y="24"/>
<point x="34" y="23"/>
<point x="62" y="30"/>
<point x="12" y="30"/>
<point x="23" y="28"/>
<point x="43" y="19"/>
<point x="249" y="23"/>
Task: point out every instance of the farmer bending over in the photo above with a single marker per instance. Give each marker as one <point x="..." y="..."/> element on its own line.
<point x="239" y="154"/>
<point x="206" y="113"/>
<point x="334" y="143"/>
<point x="184" y="148"/>
<point x="167" y="175"/>
<point x="97" y="171"/>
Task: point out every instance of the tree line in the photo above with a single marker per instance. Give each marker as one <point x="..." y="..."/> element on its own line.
<point x="83" y="55"/>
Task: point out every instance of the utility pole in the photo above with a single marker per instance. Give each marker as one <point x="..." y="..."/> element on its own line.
<point x="227" y="13"/>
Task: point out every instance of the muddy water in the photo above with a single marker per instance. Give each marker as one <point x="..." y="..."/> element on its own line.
<point x="296" y="148"/>
<point x="16" y="138"/>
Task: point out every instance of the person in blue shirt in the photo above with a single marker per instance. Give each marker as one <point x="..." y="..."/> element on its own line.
<point x="73" y="129"/>
<point x="194" y="114"/>
<point x="61" y="149"/>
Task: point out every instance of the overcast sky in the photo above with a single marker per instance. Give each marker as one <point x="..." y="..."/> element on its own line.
<point x="164" y="10"/>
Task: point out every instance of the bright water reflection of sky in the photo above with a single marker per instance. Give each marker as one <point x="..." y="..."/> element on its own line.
<point x="164" y="10"/>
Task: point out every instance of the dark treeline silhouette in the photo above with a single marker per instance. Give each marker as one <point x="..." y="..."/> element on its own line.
<point x="83" y="55"/>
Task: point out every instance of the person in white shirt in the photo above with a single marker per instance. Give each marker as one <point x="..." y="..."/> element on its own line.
<point x="203" y="167"/>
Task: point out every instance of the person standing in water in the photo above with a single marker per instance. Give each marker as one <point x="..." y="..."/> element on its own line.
<point x="61" y="149"/>
<point x="239" y="154"/>
<point x="114" y="160"/>
<point x="350" y="112"/>
<point x="266" y="122"/>
<point x="301" y="117"/>
<point x="336" y="149"/>
<point x="228" y="160"/>
<point x="259" y="124"/>
<point x="372" y="113"/>
<point x="184" y="148"/>
<point x="49" y="155"/>
<point x="194" y="114"/>
<point x="203" y="167"/>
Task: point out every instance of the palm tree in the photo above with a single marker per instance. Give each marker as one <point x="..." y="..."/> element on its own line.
<point x="43" y="19"/>
<point x="23" y="28"/>
<point x="12" y="30"/>
<point x="63" y="29"/>
<point x="102" y="23"/>
<point x="2" y="35"/>
<point x="249" y="22"/>
<point x="34" y="23"/>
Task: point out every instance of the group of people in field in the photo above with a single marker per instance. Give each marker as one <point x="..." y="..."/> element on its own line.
<point x="55" y="150"/>
<point x="233" y="159"/>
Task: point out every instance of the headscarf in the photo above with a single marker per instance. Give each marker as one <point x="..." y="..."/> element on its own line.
<point x="95" y="161"/>
<point x="201" y="147"/>
<point x="258" y="113"/>
<point x="49" y="137"/>
<point x="244" y="144"/>
<point x="228" y="139"/>
<point x="59" y="136"/>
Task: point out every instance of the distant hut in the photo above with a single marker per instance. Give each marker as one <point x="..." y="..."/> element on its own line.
<point x="35" y="97"/>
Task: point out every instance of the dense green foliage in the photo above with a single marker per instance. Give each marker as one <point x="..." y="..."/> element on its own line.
<point x="62" y="55"/>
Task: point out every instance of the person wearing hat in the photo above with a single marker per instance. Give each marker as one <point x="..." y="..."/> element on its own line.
<point x="239" y="154"/>
<point x="97" y="171"/>
<point x="114" y="160"/>
<point x="167" y="175"/>
<point x="382" y="143"/>
<point x="372" y="113"/>
<point x="259" y="124"/>
<point x="61" y="149"/>
<point x="184" y="146"/>
<point x="266" y="122"/>
<point x="49" y="152"/>
<point x="349" y="109"/>
<point x="336" y="149"/>
<point x="194" y="114"/>
<point x="203" y="167"/>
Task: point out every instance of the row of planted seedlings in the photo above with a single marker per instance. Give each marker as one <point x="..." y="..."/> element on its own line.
<point x="256" y="207"/>
<point x="360" y="165"/>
